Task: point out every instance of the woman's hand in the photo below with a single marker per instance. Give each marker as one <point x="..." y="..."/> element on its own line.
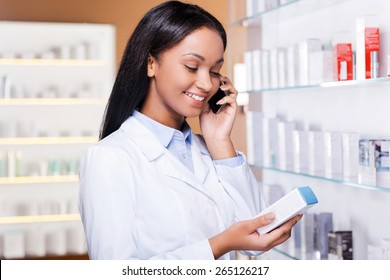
<point x="244" y="236"/>
<point x="216" y="128"/>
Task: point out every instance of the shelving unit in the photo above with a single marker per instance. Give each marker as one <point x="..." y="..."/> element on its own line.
<point x="336" y="84"/>
<point x="48" y="140"/>
<point x="39" y="219"/>
<point x="52" y="101"/>
<point x="359" y="106"/>
<point x="39" y="179"/>
<point x="55" y="79"/>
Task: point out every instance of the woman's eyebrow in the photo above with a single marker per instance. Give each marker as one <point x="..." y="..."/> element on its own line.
<point x="201" y="58"/>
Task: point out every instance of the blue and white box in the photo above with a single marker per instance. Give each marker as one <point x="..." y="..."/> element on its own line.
<point x="295" y="202"/>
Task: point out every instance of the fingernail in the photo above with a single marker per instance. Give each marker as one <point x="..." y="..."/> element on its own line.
<point x="270" y="216"/>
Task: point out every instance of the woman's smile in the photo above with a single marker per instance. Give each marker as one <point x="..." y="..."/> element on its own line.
<point x="195" y="96"/>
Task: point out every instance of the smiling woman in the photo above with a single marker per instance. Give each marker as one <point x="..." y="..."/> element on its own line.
<point x="196" y="65"/>
<point x="151" y="189"/>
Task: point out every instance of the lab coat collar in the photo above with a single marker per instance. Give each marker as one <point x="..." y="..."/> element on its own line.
<point x="153" y="149"/>
<point x="144" y="138"/>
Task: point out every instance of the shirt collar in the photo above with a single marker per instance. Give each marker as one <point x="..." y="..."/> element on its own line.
<point x="165" y="133"/>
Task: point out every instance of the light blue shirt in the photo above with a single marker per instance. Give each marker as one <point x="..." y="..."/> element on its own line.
<point x="179" y="142"/>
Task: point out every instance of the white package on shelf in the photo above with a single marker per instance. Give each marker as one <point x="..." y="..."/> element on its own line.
<point x="254" y="128"/>
<point x="350" y="157"/>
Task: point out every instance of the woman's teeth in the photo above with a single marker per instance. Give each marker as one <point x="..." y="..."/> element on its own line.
<point x="196" y="97"/>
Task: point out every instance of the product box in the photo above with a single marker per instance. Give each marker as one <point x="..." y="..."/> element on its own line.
<point x="343" y="61"/>
<point x="374" y="252"/>
<point x="382" y="162"/>
<point x="340" y="245"/>
<point x="271" y="4"/>
<point x="249" y="70"/>
<point x="274" y="141"/>
<point x="301" y="151"/>
<point x="305" y="48"/>
<point x="250" y="7"/>
<point x="307" y="235"/>
<point x="333" y="155"/>
<point x="388" y="66"/>
<point x="367" y="47"/>
<point x="270" y="142"/>
<point x="254" y="129"/>
<point x="316" y="153"/>
<point x="260" y="6"/>
<point x="273" y="68"/>
<point x="266" y="160"/>
<point x="320" y="67"/>
<point x="256" y="69"/>
<point x="323" y="225"/>
<point x="3" y="170"/>
<point x="367" y="170"/>
<point x="5" y="87"/>
<point x="292" y="65"/>
<point x="35" y="243"/>
<point x="265" y="69"/>
<point x="282" y="68"/>
<point x="295" y="202"/>
<point x="286" y="149"/>
<point x="350" y="157"/>
<point x="385" y="246"/>
<point x="14" y="244"/>
<point x="342" y="56"/>
<point x="239" y="76"/>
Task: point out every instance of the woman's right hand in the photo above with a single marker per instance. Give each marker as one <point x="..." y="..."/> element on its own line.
<point x="244" y="236"/>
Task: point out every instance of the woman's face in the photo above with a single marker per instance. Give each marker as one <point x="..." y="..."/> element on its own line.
<point x="184" y="77"/>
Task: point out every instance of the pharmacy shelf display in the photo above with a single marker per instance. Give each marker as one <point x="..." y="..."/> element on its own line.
<point x="55" y="79"/>
<point x="316" y="116"/>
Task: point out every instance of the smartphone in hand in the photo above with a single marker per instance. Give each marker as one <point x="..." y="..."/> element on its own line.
<point x="216" y="108"/>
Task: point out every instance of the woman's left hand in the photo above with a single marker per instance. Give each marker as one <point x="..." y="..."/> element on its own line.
<point x="216" y="128"/>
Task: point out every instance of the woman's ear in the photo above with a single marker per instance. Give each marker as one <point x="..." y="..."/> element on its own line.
<point x="151" y="66"/>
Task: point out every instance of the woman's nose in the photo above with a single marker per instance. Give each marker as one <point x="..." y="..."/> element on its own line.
<point x="204" y="82"/>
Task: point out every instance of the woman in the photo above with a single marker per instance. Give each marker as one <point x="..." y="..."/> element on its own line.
<point x="150" y="189"/>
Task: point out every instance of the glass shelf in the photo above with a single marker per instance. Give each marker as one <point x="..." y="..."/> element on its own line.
<point x="285" y="254"/>
<point x="39" y="219"/>
<point x="335" y="84"/>
<point x="51" y="101"/>
<point x="48" y="140"/>
<point x="245" y="20"/>
<point x="351" y="184"/>
<point x="52" y="62"/>
<point x="285" y="11"/>
<point x="38" y="179"/>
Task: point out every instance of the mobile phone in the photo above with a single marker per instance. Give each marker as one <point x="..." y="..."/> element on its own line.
<point x="216" y="108"/>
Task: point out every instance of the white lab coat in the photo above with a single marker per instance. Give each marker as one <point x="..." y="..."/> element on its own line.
<point x="138" y="201"/>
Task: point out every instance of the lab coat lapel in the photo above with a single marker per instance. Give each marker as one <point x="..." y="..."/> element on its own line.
<point x="164" y="161"/>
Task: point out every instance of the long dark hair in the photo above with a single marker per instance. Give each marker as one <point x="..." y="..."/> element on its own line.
<point x="161" y="28"/>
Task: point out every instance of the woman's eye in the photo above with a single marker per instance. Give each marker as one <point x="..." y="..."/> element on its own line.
<point x="215" y="74"/>
<point x="191" y="69"/>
